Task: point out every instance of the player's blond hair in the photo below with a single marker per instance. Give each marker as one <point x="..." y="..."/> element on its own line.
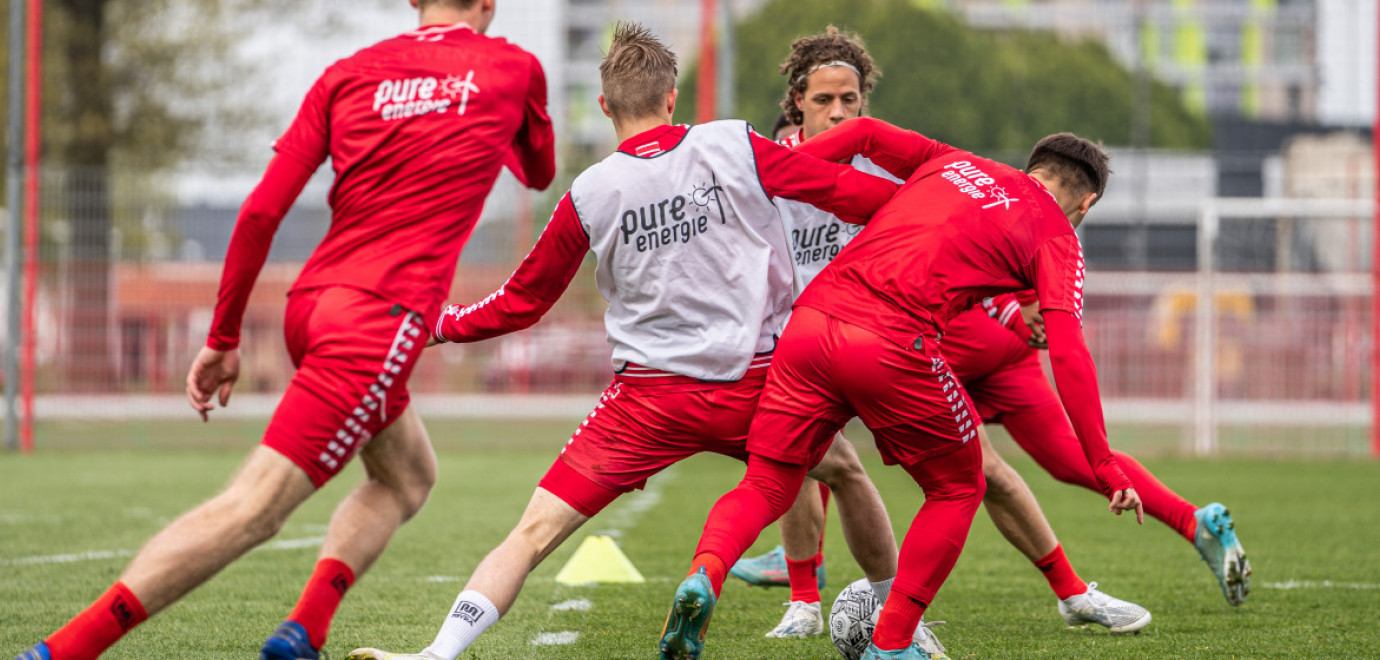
<point x="808" y="53"/>
<point x="637" y="72"/>
<point x="1079" y="164"/>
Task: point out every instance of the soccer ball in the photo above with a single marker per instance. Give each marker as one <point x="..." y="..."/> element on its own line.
<point x="853" y="618"/>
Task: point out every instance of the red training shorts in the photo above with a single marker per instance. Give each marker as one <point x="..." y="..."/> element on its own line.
<point x="827" y="371"/>
<point x="354" y="352"/>
<point x="999" y="371"/>
<point x="647" y="421"/>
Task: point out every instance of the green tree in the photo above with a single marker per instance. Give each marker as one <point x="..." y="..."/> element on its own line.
<point x="993" y="92"/>
<point x="117" y="79"/>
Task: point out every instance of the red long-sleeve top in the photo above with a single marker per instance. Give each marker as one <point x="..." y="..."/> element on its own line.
<point x="960" y="229"/>
<point x="417" y="128"/>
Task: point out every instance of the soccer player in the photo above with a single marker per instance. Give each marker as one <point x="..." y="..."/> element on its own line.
<point x="417" y="128"/>
<point x="864" y="341"/>
<point x="996" y="369"/>
<point x="693" y="261"/>
<point x="830" y="76"/>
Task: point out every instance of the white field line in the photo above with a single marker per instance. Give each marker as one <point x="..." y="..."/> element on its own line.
<point x="1325" y="584"/>
<point x="576" y="605"/>
<point x="98" y="555"/>
<point x="555" y="639"/>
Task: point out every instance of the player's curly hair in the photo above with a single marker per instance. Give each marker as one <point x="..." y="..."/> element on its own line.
<point x="1079" y="164"/>
<point x="637" y="72"/>
<point x="458" y="4"/>
<point x="810" y="52"/>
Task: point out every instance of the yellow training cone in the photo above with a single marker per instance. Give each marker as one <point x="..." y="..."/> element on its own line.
<point x="598" y="559"/>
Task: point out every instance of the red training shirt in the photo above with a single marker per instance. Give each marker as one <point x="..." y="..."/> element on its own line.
<point x="417" y="128"/>
<point x="962" y="228"/>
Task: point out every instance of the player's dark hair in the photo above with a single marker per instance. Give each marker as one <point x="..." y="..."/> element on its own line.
<point x="637" y="72"/>
<point x="807" y="53"/>
<point x="1080" y="165"/>
<point x="782" y="121"/>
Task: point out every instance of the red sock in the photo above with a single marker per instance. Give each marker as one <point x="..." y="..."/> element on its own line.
<point x="804" y="585"/>
<point x="713" y="567"/>
<point x="320" y="598"/>
<point x="897" y="621"/>
<point x="1062" y="579"/>
<point x="99" y="626"/>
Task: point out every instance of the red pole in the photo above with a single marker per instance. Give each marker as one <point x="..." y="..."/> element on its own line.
<point x="1375" y="268"/>
<point x="32" y="143"/>
<point x="705" y="103"/>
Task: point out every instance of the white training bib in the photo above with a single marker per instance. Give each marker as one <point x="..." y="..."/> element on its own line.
<point x="693" y="260"/>
<point x="816" y="235"/>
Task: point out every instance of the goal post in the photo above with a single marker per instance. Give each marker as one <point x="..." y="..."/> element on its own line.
<point x="1282" y="345"/>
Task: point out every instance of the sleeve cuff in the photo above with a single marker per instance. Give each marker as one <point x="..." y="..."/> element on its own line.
<point x="217" y="344"/>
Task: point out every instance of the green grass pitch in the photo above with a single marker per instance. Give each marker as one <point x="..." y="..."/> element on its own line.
<point x="71" y="513"/>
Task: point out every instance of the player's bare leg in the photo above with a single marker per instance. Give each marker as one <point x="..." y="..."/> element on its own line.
<point x="491" y="591"/>
<point x="545" y="525"/>
<point x="866" y="526"/>
<point x="1013" y="507"/>
<point x="1018" y="517"/>
<point x="196" y="546"/>
<point x="803" y="525"/>
<point x="400" y="470"/>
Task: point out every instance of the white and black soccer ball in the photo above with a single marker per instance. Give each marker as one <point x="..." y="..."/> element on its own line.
<point x="852" y="619"/>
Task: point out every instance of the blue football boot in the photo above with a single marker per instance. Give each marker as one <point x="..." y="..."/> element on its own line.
<point x="682" y="638"/>
<point x="289" y="642"/>
<point x="1216" y="541"/>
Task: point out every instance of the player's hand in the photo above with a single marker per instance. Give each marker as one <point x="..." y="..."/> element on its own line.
<point x="212" y="371"/>
<point x="1033" y="320"/>
<point x="1125" y="500"/>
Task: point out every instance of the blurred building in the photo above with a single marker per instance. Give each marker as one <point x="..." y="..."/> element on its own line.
<point x="1259" y="59"/>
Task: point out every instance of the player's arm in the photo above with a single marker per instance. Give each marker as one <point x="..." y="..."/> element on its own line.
<point x="894" y="149"/>
<point x="530" y="291"/>
<point x="533" y="156"/>
<point x="258" y="221"/>
<point x="1019" y="313"/>
<point x="1006" y="311"/>
<point x="1058" y="270"/>
<point x="300" y="150"/>
<point x="839" y="189"/>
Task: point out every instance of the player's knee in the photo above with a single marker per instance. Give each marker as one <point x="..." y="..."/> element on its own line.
<point x="1000" y="480"/>
<point x="413" y="495"/>
<point x="777" y="483"/>
<point x="841" y="467"/>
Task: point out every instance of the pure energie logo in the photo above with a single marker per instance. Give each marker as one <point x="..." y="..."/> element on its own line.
<point x="411" y="97"/>
<point x="677" y="219"/>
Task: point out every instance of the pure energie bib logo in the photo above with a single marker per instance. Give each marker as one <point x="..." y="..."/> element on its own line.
<point x="678" y="219"/>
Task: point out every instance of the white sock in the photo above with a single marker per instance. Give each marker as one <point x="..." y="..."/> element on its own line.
<point x="882" y="589"/>
<point x="469" y="617"/>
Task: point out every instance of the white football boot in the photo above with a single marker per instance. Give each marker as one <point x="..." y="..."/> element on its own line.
<point x="802" y="620"/>
<point x="1119" y="616"/>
